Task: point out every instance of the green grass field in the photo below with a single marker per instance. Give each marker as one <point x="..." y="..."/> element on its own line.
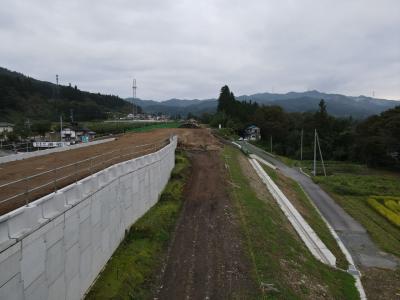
<point x="155" y="126"/>
<point x="130" y="273"/>
<point x="352" y="191"/>
<point x="279" y="257"/>
<point x="105" y="128"/>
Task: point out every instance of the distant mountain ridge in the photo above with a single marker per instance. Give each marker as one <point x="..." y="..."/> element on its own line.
<point x="337" y="104"/>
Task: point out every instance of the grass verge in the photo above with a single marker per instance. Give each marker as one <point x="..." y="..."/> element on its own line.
<point x="130" y="273"/>
<point x="278" y="255"/>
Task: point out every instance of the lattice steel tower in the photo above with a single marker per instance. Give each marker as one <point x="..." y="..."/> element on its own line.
<point x="134" y="87"/>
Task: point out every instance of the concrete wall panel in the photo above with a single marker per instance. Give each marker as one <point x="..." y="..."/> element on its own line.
<point x="9" y="263"/>
<point x="56" y="246"/>
<point x="57" y="288"/>
<point x="13" y="289"/>
<point x="33" y="261"/>
<point x="55" y="261"/>
<point x="38" y="290"/>
<point x="72" y="257"/>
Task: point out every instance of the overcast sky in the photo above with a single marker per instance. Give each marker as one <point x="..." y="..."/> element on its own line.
<point x="189" y="49"/>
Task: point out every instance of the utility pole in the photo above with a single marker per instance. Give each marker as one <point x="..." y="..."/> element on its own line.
<point x="315" y="152"/>
<point x="301" y="145"/>
<point x="61" y="125"/>
<point x="320" y="154"/>
<point x="133" y="97"/>
<point x="71" y="113"/>
<point x="55" y="94"/>
<point x="28" y="122"/>
<point x="271" y="143"/>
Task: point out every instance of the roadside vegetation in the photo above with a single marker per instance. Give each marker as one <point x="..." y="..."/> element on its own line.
<point x="131" y="271"/>
<point x="283" y="266"/>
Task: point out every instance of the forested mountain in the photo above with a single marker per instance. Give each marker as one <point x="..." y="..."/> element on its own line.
<point x="339" y="105"/>
<point x="23" y="97"/>
<point x="175" y="107"/>
<point x="374" y="140"/>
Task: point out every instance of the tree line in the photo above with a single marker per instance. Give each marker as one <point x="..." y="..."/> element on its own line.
<point x="374" y="141"/>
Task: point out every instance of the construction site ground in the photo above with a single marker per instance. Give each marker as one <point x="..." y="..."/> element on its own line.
<point x="206" y="258"/>
<point x="124" y="147"/>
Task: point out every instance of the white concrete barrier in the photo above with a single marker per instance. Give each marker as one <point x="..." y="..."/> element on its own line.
<point x="306" y="233"/>
<point x="237" y="145"/>
<point x="55" y="247"/>
<point x="25" y="155"/>
<point x="263" y="161"/>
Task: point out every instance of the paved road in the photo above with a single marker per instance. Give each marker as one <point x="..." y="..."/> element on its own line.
<point x="363" y="250"/>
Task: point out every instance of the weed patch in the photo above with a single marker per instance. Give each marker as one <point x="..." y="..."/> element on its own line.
<point x="130" y="273"/>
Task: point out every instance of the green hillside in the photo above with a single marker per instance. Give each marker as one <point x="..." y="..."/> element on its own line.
<point x="24" y="97"/>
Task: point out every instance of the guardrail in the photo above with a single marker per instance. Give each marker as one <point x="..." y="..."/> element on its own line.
<point x="21" y="192"/>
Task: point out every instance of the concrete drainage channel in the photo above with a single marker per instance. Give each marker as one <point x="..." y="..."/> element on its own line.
<point x="307" y="234"/>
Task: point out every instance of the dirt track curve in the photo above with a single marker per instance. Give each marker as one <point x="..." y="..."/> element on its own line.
<point x="206" y="259"/>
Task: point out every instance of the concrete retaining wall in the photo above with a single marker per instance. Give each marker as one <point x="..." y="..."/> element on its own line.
<point x="26" y="155"/>
<point x="56" y="246"/>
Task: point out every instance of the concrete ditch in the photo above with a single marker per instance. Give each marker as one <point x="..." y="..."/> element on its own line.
<point x="306" y="233"/>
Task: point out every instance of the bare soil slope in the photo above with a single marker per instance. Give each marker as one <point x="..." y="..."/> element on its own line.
<point x="206" y="259"/>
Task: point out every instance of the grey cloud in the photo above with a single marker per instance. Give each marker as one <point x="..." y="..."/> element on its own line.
<point x="188" y="49"/>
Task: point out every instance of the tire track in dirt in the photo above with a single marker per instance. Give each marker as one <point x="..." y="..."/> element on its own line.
<point x="206" y="258"/>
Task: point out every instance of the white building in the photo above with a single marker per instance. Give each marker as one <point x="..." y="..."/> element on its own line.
<point x="77" y="134"/>
<point x="252" y="133"/>
<point x="6" y="127"/>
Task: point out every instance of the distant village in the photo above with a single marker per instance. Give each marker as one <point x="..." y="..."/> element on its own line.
<point x="69" y="133"/>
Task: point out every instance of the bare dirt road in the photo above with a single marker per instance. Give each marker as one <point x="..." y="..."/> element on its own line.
<point x="206" y="258"/>
<point x="125" y="147"/>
